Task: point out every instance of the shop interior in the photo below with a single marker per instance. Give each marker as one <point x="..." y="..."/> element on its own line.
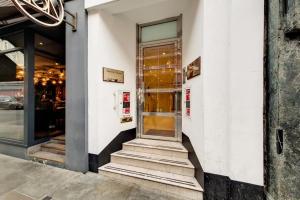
<point x="49" y="85"/>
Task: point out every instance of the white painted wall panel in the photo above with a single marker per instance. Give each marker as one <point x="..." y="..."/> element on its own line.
<point x="111" y="44"/>
<point x="215" y="75"/>
<point x="192" y="42"/>
<point x="246" y="91"/>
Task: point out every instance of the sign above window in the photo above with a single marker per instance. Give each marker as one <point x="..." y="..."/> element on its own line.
<point x="48" y="13"/>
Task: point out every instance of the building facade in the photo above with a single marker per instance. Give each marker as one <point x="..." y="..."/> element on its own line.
<point x="282" y="157"/>
<point x="173" y="94"/>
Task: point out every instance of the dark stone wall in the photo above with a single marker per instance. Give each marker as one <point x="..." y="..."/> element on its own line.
<point x="283" y="99"/>
<point x="218" y="187"/>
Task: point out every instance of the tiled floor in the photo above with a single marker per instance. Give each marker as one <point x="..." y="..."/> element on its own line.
<point x="26" y="180"/>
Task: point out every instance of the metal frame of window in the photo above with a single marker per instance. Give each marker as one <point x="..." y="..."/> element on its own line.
<point x="141" y="45"/>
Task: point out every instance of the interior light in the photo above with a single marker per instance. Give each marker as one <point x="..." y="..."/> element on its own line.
<point x="53" y="82"/>
<point x="21" y="72"/>
<point x="41" y="43"/>
<point x="44" y="83"/>
<point x="56" y="63"/>
<point x="60" y="82"/>
<point x="164" y="53"/>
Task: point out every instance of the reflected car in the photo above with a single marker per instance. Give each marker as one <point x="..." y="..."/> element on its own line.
<point x="10" y="103"/>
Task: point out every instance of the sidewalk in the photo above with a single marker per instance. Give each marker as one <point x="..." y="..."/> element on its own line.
<point x="26" y="180"/>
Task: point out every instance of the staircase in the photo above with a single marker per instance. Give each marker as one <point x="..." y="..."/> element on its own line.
<point x="52" y="152"/>
<point x="154" y="164"/>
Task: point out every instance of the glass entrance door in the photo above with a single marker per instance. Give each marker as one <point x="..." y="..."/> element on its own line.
<point x="160" y="91"/>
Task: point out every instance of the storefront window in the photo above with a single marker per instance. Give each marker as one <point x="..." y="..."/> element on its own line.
<point x="49" y="84"/>
<point x="12" y="71"/>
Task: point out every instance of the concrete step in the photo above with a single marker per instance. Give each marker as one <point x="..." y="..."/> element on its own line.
<point x="53" y="148"/>
<point x="48" y="158"/>
<point x="154" y="162"/>
<point x="59" y="139"/>
<point x="164" y="148"/>
<point x="185" y="187"/>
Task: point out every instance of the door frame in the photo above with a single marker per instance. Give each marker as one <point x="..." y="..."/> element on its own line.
<point x="139" y="96"/>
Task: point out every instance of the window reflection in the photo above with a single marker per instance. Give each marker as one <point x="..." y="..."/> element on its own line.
<point x="12" y="95"/>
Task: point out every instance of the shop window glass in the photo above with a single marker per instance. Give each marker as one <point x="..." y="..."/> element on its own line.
<point x="12" y="95"/>
<point x="49" y="84"/>
<point x="11" y="41"/>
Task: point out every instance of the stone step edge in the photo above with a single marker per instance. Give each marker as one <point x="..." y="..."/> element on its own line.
<point x="55" y="151"/>
<point x="190" y="166"/>
<point x="59" y="138"/>
<point x="57" y="141"/>
<point x="155" y="147"/>
<point x="49" y="146"/>
<point x="197" y="188"/>
<point x="34" y="156"/>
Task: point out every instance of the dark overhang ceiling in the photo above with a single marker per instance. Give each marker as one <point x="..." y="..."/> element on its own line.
<point x="8" y="10"/>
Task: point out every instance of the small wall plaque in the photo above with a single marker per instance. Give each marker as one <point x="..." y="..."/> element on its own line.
<point x="194" y="69"/>
<point x="113" y="75"/>
<point x="126" y="119"/>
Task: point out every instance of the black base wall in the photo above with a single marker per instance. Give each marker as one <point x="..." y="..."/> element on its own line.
<point x="219" y="187"/>
<point x="199" y="174"/>
<point x="96" y="161"/>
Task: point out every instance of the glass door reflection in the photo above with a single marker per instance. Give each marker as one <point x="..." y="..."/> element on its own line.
<point x="161" y="89"/>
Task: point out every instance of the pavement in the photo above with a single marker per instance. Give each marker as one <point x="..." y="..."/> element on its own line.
<point x="27" y="180"/>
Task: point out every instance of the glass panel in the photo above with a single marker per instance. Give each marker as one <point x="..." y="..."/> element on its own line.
<point x="159" y="126"/>
<point x="159" y="102"/>
<point x="159" y="31"/>
<point x="49" y="47"/>
<point x="49" y="80"/>
<point x="11" y="41"/>
<point x="12" y="95"/>
<point x="159" y="67"/>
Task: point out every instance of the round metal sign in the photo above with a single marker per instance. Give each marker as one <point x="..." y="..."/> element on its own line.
<point x="50" y="12"/>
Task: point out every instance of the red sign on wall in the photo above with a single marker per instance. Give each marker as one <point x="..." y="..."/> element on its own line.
<point x="126" y="103"/>
<point x="188" y="102"/>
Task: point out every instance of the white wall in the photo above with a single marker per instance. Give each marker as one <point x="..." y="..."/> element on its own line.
<point x="192" y="44"/>
<point x="246" y="91"/>
<point x="216" y="88"/>
<point x="226" y="123"/>
<point x="233" y="89"/>
<point x="111" y="41"/>
<point x="93" y="3"/>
